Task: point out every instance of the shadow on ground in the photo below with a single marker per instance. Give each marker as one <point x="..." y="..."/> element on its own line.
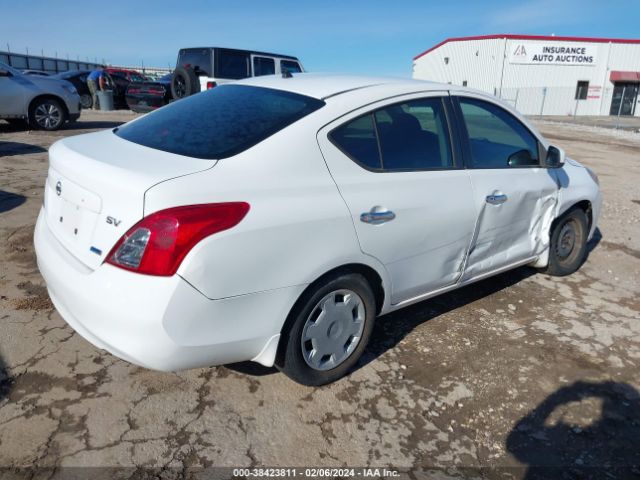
<point x="390" y="329"/>
<point x="593" y="243"/>
<point x="9" y="201"/>
<point x="8" y="149"/>
<point x="554" y="441"/>
<point x="5" y="380"/>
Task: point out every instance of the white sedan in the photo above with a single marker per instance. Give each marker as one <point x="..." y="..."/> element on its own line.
<point x="275" y="218"/>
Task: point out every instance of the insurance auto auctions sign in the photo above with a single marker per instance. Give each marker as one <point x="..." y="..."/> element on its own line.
<point x="561" y="53"/>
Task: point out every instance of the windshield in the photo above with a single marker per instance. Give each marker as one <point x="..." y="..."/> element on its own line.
<point x="13" y="71"/>
<point x="220" y="122"/>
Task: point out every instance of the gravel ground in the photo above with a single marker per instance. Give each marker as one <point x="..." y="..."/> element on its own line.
<point x="507" y="376"/>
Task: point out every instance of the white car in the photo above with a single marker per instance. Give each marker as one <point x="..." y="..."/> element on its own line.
<point x="43" y="102"/>
<point x="275" y="218"/>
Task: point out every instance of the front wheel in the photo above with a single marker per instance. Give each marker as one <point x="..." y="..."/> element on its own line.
<point x="47" y="114"/>
<point x="568" y="246"/>
<point x="328" y="330"/>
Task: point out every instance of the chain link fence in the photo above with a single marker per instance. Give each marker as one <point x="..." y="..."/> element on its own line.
<point x="562" y="101"/>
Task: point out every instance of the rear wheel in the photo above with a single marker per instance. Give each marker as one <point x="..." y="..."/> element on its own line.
<point x="568" y="246"/>
<point x="47" y="114"/>
<point x="86" y="101"/>
<point x="329" y="329"/>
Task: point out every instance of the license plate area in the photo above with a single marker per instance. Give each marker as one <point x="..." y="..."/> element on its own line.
<point x="70" y="218"/>
<point x="72" y="212"/>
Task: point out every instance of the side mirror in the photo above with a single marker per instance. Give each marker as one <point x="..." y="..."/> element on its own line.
<point x="4" y="73"/>
<point x="555" y="157"/>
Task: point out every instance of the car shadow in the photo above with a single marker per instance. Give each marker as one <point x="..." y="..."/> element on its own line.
<point x="8" y="149"/>
<point x="595" y="240"/>
<point x="392" y="328"/>
<point x="584" y="430"/>
<point x="5" y="380"/>
<point x="251" y="368"/>
<point x="9" y="201"/>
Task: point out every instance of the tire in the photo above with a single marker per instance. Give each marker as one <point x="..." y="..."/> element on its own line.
<point x="315" y="361"/>
<point x="184" y="82"/>
<point x="568" y="247"/>
<point x="47" y="114"/>
<point x="86" y="101"/>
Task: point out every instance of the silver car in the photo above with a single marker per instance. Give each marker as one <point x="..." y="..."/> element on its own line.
<point x="43" y="102"/>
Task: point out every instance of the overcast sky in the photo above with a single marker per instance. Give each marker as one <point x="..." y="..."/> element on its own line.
<point x="367" y="37"/>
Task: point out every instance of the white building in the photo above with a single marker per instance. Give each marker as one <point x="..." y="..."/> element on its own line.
<point x="542" y="75"/>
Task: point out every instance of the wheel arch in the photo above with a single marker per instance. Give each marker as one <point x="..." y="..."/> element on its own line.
<point x="584" y="205"/>
<point x="44" y="96"/>
<point x="372" y="276"/>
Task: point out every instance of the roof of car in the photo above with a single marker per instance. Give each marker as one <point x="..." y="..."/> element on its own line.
<point x="328" y="85"/>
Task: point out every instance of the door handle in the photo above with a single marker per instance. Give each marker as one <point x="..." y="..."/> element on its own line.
<point x="497" y="199"/>
<point x="377" y="216"/>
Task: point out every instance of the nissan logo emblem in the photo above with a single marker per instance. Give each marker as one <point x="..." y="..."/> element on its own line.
<point x="59" y="188"/>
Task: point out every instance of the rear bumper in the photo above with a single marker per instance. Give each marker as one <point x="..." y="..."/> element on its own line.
<point x="161" y="323"/>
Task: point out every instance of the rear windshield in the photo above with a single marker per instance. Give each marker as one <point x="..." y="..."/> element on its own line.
<point x="220" y="122"/>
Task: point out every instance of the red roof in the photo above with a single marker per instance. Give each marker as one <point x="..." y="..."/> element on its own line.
<point x="531" y="37"/>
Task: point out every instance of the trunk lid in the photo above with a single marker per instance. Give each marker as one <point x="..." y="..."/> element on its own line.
<point x="95" y="189"/>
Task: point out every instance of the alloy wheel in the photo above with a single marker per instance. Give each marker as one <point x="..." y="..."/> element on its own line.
<point x="48" y="115"/>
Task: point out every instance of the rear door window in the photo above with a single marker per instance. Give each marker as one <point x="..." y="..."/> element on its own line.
<point x="290" y="66"/>
<point x="263" y="66"/>
<point x="406" y="136"/>
<point x="358" y="139"/>
<point x="232" y="64"/>
<point x="220" y="122"/>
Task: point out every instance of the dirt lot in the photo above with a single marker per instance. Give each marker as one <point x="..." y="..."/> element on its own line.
<point x="519" y="370"/>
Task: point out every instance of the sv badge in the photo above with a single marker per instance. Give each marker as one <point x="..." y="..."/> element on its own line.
<point x="113" y="221"/>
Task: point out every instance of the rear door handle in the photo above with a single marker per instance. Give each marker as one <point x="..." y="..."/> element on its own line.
<point x="377" y="215"/>
<point x="497" y="199"/>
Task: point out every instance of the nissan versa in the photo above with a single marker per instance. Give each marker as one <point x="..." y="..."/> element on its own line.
<point x="275" y="218"/>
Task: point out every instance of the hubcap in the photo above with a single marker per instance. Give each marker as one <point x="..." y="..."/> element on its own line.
<point x="566" y="240"/>
<point x="333" y="330"/>
<point x="48" y="115"/>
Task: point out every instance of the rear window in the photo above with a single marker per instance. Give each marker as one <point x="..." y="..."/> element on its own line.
<point x="220" y="122"/>
<point x="199" y="59"/>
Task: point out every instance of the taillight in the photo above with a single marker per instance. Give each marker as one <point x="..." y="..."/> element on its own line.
<point x="158" y="243"/>
<point x="210" y="85"/>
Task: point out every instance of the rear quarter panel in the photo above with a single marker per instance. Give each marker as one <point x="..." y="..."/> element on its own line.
<point x="298" y="226"/>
